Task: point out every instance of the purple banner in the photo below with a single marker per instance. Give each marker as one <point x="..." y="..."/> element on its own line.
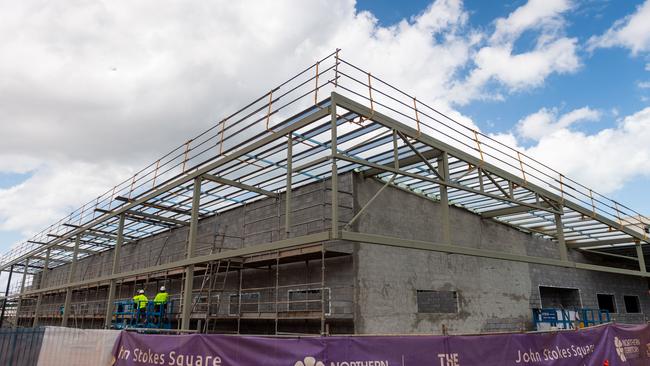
<point x="605" y="345"/>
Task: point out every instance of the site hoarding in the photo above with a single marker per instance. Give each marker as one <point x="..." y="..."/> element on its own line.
<point x="604" y="345"/>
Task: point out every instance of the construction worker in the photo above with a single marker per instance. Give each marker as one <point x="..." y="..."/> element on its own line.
<point x="160" y="302"/>
<point x="140" y="301"/>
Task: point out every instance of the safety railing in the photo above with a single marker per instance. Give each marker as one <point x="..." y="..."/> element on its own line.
<point x="310" y="88"/>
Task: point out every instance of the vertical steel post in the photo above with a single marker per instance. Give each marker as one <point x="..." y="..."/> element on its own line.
<point x="22" y="290"/>
<point x="4" y="302"/>
<point x="322" y="289"/>
<point x="639" y="256"/>
<point x="68" y="293"/>
<point x="116" y="263"/>
<point x="191" y="243"/>
<point x="335" y="175"/>
<point x="564" y="255"/>
<point x="443" y="170"/>
<point x="39" y="299"/>
<point x="287" y="201"/>
<point x="277" y="289"/>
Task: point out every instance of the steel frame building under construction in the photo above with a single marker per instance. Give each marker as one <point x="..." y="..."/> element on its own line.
<point x="337" y="203"/>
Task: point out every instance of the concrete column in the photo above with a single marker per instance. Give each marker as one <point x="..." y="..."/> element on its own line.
<point x="39" y="299"/>
<point x="560" y="238"/>
<point x="443" y="170"/>
<point x="22" y="290"/>
<point x="4" y="301"/>
<point x="335" y="175"/>
<point x="68" y="293"/>
<point x="116" y="264"/>
<point x="191" y="242"/>
<point x="639" y="256"/>
<point x="287" y="201"/>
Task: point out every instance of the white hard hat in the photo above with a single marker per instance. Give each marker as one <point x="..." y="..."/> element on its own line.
<point x="162" y="288"/>
<point x="141" y="291"/>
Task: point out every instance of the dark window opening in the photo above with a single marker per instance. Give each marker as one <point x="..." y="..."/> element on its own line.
<point x="309" y="300"/>
<point x="606" y="302"/>
<point x="632" y="305"/>
<point x="441" y="302"/>
<point x="559" y="297"/>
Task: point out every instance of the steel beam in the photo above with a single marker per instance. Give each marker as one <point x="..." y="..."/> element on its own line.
<point x="335" y="174"/>
<point x="22" y="290"/>
<point x="410" y="160"/>
<point x="507" y="211"/>
<point x="436" y="181"/>
<point x="287" y="191"/>
<point x="380" y="118"/>
<point x="443" y="171"/>
<point x="245" y="187"/>
<point x="456" y="249"/>
<point x="71" y="273"/>
<point x="595" y="243"/>
<point x="145" y="215"/>
<point x="39" y="299"/>
<point x="115" y="269"/>
<point x="4" y="301"/>
<point x="564" y="255"/>
<point x="272" y="136"/>
<point x="191" y="243"/>
<point x="640" y="257"/>
<point x="229" y="254"/>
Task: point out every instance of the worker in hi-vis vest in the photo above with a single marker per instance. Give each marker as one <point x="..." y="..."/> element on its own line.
<point x="160" y="302"/>
<point x="141" y="301"/>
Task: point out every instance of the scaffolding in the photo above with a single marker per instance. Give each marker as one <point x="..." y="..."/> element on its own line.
<point x="331" y="119"/>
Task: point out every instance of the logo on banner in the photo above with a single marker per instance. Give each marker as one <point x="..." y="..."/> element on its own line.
<point x="627" y="348"/>
<point x="309" y="361"/>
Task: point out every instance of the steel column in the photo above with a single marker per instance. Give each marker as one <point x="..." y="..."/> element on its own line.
<point x="115" y="269"/>
<point x="335" y="174"/>
<point x="22" y="289"/>
<point x="39" y="299"/>
<point x="191" y="242"/>
<point x="287" y="200"/>
<point x="560" y="238"/>
<point x="4" y="302"/>
<point x="443" y="171"/>
<point x="68" y="293"/>
<point x="640" y="257"/>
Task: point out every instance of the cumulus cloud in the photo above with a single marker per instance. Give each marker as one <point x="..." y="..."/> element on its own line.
<point x="497" y="60"/>
<point x="604" y="160"/>
<point x="632" y="32"/>
<point x="547" y="121"/>
<point x="643" y="84"/>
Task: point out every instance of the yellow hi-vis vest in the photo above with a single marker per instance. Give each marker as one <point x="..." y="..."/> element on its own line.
<point x="161" y="298"/>
<point x="140" y="300"/>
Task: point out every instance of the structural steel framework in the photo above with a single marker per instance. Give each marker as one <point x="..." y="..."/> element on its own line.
<point x="331" y="118"/>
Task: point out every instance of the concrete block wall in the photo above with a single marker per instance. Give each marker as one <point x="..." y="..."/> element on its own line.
<point x="493" y="295"/>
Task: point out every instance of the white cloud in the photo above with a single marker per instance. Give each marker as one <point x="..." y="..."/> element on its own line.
<point x="643" y="84"/>
<point x="547" y="121"/>
<point x="91" y="91"/>
<point x="536" y="14"/>
<point x="498" y="61"/>
<point x="604" y="160"/>
<point x="631" y="32"/>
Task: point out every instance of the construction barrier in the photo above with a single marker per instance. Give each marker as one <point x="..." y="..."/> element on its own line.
<point x="610" y="345"/>
<point x="76" y="347"/>
<point x="603" y="345"/>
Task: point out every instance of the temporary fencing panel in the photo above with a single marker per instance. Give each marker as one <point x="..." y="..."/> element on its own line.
<point x="20" y="346"/>
<point x="76" y="347"/>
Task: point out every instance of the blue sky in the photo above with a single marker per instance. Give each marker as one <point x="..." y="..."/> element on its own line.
<point x="607" y="80"/>
<point x="161" y="74"/>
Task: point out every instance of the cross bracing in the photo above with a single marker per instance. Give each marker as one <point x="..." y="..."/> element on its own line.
<point x="332" y="118"/>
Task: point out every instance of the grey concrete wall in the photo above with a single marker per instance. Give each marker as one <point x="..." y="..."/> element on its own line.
<point x="493" y="295"/>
